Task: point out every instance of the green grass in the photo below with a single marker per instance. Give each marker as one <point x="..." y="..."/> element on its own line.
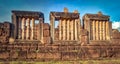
<point x="113" y="61"/>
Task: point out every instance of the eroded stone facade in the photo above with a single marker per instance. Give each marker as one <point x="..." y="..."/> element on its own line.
<point x="95" y="28"/>
<point x="5" y="32"/>
<point x="68" y="26"/>
<point x="25" y="27"/>
<point x="24" y="39"/>
<point x="98" y="26"/>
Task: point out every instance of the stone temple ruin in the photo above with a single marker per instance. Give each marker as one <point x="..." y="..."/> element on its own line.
<point x="28" y="37"/>
<point x="96" y="27"/>
<point x="25" y="28"/>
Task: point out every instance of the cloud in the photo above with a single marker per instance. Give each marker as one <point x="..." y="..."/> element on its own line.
<point x="116" y="25"/>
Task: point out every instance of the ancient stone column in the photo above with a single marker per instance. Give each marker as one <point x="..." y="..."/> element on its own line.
<point x="65" y="26"/>
<point x="104" y="30"/>
<point x="97" y="24"/>
<point x="107" y="29"/>
<point x="19" y="33"/>
<point x="93" y="22"/>
<point x="40" y="32"/>
<point x="78" y="26"/>
<point x="52" y="26"/>
<point x="23" y="28"/>
<point x="110" y="30"/>
<point x="68" y="30"/>
<point x="100" y="30"/>
<point x="72" y="35"/>
<point x="73" y="29"/>
<point x="32" y="29"/>
<point x="76" y="29"/>
<point x="28" y="29"/>
<point x="60" y="30"/>
<point x="64" y="35"/>
<point x="14" y="21"/>
<point x="91" y="30"/>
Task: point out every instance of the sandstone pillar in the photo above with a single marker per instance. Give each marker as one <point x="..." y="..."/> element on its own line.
<point x="73" y="29"/>
<point x="71" y="23"/>
<point x="91" y="30"/>
<point x="110" y="30"/>
<point x="76" y="29"/>
<point x="60" y="30"/>
<point x="97" y="24"/>
<point x="64" y="35"/>
<point x="68" y="29"/>
<point x="14" y="21"/>
<point x="65" y="21"/>
<point x="40" y="32"/>
<point x="23" y="28"/>
<point x="28" y="29"/>
<point x="52" y="26"/>
<point x="32" y="29"/>
<point x="107" y="29"/>
<point x="104" y="31"/>
<point x="100" y="30"/>
<point x="93" y="22"/>
<point x="19" y="33"/>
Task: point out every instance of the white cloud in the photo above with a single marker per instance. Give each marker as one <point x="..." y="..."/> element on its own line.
<point x="115" y="25"/>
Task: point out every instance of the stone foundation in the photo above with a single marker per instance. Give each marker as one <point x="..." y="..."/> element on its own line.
<point x="35" y="51"/>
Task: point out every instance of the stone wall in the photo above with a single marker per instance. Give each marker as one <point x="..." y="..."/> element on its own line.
<point x="5" y="32"/>
<point x="115" y="36"/>
<point x="46" y="33"/>
<point x="34" y="51"/>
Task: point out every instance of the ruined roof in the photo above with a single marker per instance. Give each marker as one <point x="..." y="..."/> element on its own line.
<point x="98" y="16"/>
<point x="28" y="13"/>
<point x="59" y="15"/>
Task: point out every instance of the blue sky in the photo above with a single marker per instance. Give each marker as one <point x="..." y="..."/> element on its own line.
<point x="108" y="7"/>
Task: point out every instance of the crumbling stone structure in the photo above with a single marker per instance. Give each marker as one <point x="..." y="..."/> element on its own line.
<point x="115" y="36"/>
<point x="25" y="27"/>
<point x="68" y="26"/>
<point x="70" y="40"/>
<point x="46" y="34"/>
<point x="98" y="26"/>
<point x="5" y="32"/>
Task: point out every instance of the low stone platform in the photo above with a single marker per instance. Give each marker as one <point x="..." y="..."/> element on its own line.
<point x="46" y="52"/>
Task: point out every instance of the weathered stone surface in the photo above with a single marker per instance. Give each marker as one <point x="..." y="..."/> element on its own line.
<point x="22" y="25"/>
<point x="47" y="40"/>
<point x="5" y="31"/>
<point x="46" y="26"/>
<point x="68" y="41"/>
<point x="98" y="27"/>
<point x="46" y="33"/>
<point x="68" y="26"/>
<point x="58" y="52"/>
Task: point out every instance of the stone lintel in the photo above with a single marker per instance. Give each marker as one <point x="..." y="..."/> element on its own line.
<point x="63" y="15"/>
<point x="30" y="14"/>
<point x="97" y="17"/>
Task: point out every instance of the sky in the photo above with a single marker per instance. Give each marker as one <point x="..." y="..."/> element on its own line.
<point x="107" y="7"/>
